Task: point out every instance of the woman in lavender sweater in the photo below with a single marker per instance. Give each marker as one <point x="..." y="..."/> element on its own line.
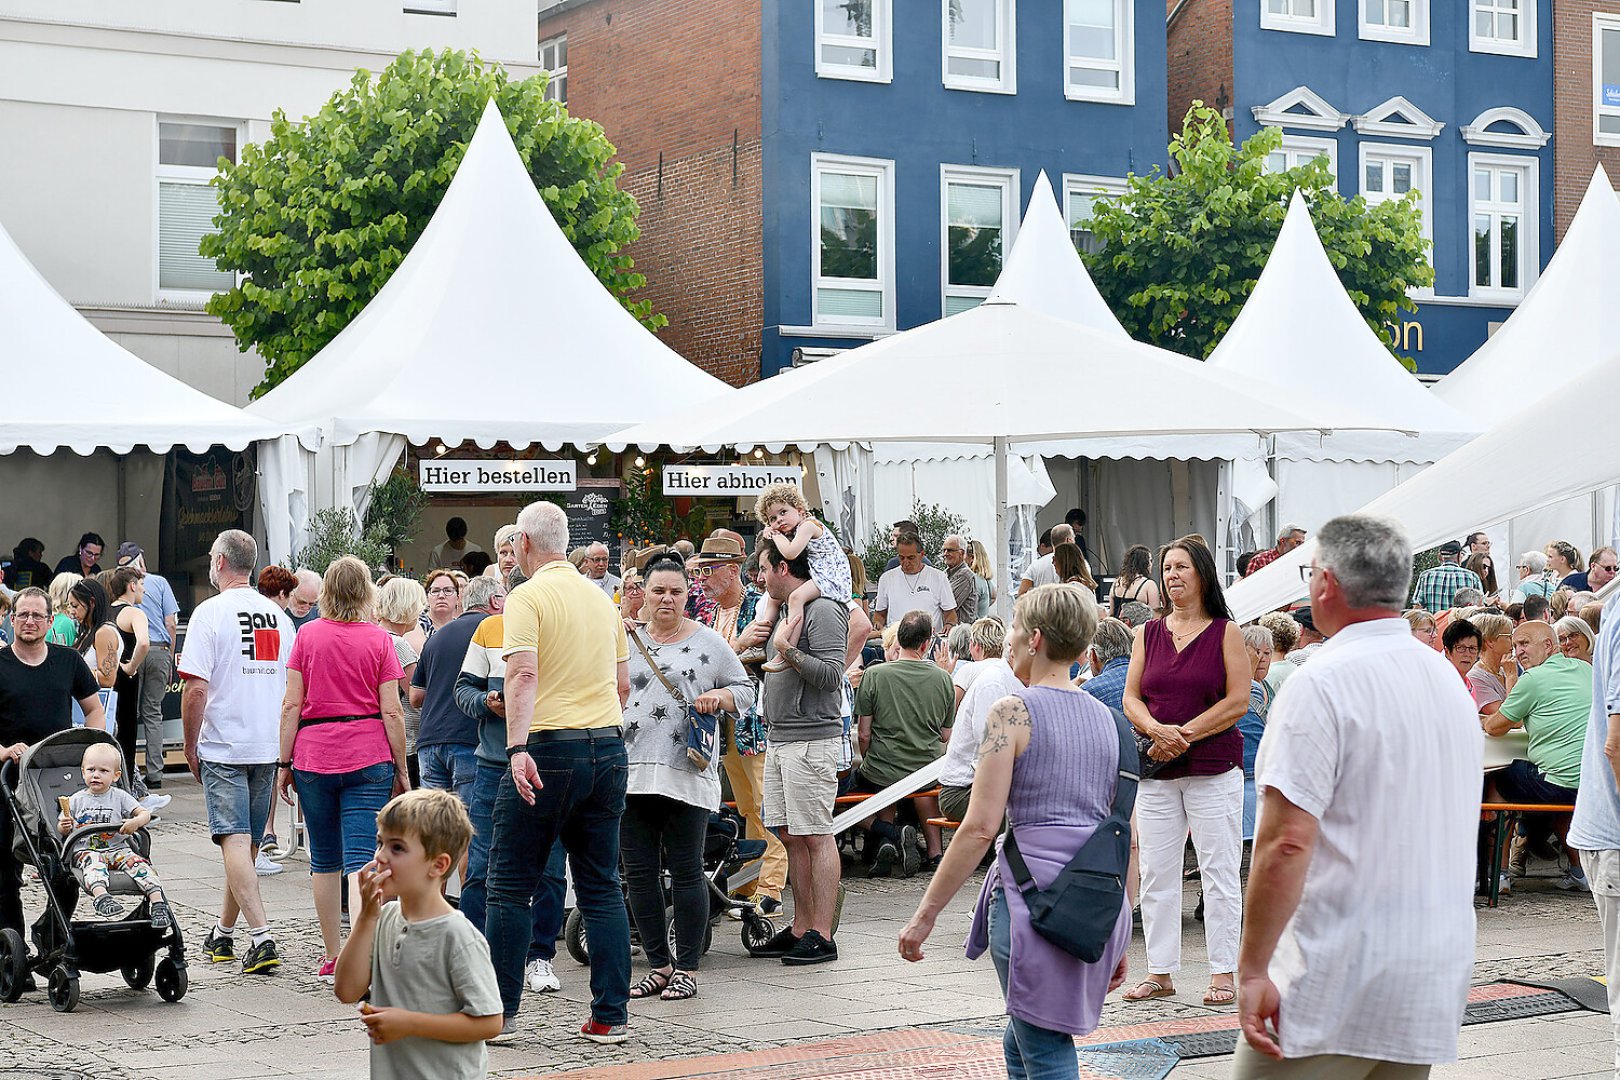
<point x="1048" y="759"/>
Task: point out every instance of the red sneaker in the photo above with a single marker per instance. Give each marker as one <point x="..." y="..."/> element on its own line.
<point x="604" y="1033"/>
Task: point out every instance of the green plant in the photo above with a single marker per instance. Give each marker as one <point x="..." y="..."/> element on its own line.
<point x="395" y="508"/>
<point x="934" y="524"/>
<point x="646" y="516"/>
<point x="318" y="216"/>
<point x="334" y="533"/>
<point x="1181" y="253"/>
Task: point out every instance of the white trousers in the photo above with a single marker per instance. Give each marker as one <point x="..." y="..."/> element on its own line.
<point x="1603" y="872"/>
<point x="1211" y="807"/>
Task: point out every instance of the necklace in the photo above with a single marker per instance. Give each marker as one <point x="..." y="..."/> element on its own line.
<point x="670" y="641"/>
<point x="1185" y="635"/>
<point x="911" y="581"/>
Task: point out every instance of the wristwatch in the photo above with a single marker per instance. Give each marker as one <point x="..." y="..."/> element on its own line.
<point x="514" y="751"/>
<point x="283" y="764"/>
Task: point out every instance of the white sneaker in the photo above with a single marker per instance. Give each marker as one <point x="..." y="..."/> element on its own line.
<point x="155" y="801"/>
<point x="265" y="867"/>
<point x="540" y="977"/>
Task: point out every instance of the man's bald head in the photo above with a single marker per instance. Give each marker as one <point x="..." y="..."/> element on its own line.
<point x="1533" y="643"/>
<point x="1062" y="534"/>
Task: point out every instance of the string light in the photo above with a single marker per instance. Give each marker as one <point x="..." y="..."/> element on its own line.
<point x="591" y="460"/>
<point x="640" y="461"/>
<point x="759" y="451"/>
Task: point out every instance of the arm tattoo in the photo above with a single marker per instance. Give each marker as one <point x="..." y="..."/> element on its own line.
<point x="794" y="656"/>
<point x="1009" y="712"/>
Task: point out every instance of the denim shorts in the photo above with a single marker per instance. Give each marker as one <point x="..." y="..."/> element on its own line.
<point x="340" y="815"/>
<point x="238" y="798"/>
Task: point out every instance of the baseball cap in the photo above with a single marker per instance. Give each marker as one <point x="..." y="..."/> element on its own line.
<point x="128" y="552"/>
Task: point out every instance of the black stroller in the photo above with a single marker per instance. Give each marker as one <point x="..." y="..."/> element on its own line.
<point x="63" y="946"/>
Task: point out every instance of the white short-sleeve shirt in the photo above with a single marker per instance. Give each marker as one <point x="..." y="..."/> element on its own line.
<point x="927" y="590"/>
<point x="239" y="641"/>
<point x="1378" y="740"/>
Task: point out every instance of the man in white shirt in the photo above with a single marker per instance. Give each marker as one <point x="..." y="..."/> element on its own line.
<point x="914" y="586"/>
<point x="456" y="546"/>
<point x="1041" y="571"/>
<point x="1374" y="987"/>
<point x="235" y="672"/>
<point x="595" y="568"/>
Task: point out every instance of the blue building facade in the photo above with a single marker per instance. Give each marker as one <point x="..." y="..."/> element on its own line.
<point x="1453" y="99"/>
<point x="900" y="141"/>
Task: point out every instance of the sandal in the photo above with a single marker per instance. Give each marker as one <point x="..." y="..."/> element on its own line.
<point x="1220" y="995"/>
<point x="1158" y="990"/>
<point x="650" y="986"/>
<point x="682" y="987"/>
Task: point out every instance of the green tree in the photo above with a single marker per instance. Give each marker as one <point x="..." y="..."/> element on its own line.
<point x="316" y="218"/>
<point x="1181" y="253"/>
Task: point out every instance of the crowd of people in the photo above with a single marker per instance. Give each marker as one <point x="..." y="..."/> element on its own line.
<point x="566" y="719"/>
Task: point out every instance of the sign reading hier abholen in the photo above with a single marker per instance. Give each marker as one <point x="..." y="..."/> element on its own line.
<point x="521" y="475"/>
<point x="727" y="480"/>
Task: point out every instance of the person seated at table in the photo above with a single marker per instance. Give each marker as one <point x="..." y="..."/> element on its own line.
<point x="1462" y="643"/>
<point x="1494" y="674"/>
<point x="1575" y="637"/>
<point x="1551" y="700"/>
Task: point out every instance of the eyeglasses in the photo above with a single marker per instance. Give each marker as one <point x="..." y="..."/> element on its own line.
<point x="1465" y="648"/>
<point x="951" y="551"/>
<point x="1305" y="573"/>
<point x="703" y="571"/>
<point x="20" y="616"/>
<point x="441" y="590"/>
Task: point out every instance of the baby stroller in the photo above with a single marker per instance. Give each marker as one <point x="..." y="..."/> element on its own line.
<point x="723" y="855"/>
<point x="64" y="946"/>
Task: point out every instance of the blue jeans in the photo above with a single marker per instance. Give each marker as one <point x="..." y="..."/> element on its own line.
<point x="340" y="815"/>
<point x="547" y="906"/>
<point x="1033" y="1053"/>
<point x="449" y="767"/>
<point x="580" y="802"/>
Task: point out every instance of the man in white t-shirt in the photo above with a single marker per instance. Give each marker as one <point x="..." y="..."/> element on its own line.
<point x="1357" y="952"/>
<point x="914" y="586"/>
<point x="1041" y="571"/>
<point x="235" y="672"/>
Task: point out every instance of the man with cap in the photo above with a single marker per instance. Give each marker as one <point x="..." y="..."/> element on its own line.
<point x="1437" y="585"/>
<point x="1310" y="638"/>
<point x="157" y="670"/>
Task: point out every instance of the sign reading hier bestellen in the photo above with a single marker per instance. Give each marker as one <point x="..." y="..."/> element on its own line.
<point x="522" y="475"/>
<point x="727" y="480"/>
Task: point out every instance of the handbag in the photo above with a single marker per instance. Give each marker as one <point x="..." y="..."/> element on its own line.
<point x="1151" y="766"/>
<point x="1079" y="910"/>
<point x="700" y="727"/>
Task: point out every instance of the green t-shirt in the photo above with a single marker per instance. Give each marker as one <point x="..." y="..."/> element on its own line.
<point x="910" y="703"/>
<point x="1553" y="702"/>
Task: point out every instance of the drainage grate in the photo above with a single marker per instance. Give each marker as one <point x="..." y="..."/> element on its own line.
<point x="1139" y="1059"/>
<point x="1197" y="1044"/>
<point x="1517" y="1008"/>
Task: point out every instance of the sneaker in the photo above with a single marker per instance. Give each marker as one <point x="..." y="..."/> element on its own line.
<point x="541" y="978"/>
<point x="910" y="857"/>
<point x="218" y="949"/>
<point x="153" y="783"/>
<point x="262" y="958"/>
<point x="264" y="867"/>
<point x="508" y="1035"/>
<point x="1574" y="879"/>
<point x="780" y="945"/>
<point x="327" y="972"/>
<point x="155" y="803"/>
<point x="160" y="916"/>
<point x="606" y="1034"/>
<point x="769" y="905"/>
<point x="108" y="907"/>
<point x="811" y="949"/>
<point x="1504" y="885"/>
<point x="883" y="865"/>
<point x="1518" y="856"/>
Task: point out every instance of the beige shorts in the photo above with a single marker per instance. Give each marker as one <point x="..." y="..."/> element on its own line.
<point x="801" y="784"/>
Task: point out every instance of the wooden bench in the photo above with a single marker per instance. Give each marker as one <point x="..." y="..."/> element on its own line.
<point x="1497" y="814"/>
<point x="944" y="823"/>
<point x="857" y="799"/>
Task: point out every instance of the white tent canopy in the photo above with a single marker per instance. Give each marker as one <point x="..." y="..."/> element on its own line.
<point x="1044" y="272"/>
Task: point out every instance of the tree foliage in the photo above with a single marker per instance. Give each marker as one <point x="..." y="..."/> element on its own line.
<point x="934" y="524"/>
<point x="1181" y="253"/>
<point x="336" y="532"/>
<point x="316" y="218"/>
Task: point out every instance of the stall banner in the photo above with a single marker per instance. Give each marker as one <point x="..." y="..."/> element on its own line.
<point x="517" y="476"/>
<point x="590" y="516"/>
<point x="729" y="481"/>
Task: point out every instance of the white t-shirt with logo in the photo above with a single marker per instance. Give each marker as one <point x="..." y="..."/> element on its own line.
<point x="927" y="590"/>
<point x="239" y="641"/>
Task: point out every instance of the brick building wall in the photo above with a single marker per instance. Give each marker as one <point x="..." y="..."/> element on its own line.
<point x="675" y="84"/>
<point x="1575" y="155"/>
<point x="1200" y="56"/>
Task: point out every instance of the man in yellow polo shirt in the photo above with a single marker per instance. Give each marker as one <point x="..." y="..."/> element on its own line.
<point x="566" y="683"/>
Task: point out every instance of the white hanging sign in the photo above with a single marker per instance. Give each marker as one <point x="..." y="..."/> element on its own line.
<point x="471" y="474"/>
<point x="727" y="480"/>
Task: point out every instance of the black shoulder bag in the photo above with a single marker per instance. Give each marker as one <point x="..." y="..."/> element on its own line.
<point x="1079" y="910"/>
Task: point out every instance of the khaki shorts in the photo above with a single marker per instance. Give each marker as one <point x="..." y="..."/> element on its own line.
<point x="801" y="783"/>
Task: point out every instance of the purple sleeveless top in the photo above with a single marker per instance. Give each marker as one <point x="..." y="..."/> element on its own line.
<point x="1176" y="687"/>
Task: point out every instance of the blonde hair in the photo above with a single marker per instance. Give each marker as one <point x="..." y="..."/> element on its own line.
<point x="61" y="585"/>
<point x="979" y="561"/>
<point x="401" y="600"/>
<point x="347" y="594"/>
<point x="443" y="571"/>
<point x="115" y="756"/>
<point x="857" y="575"/>
<point x="1284" y="630"/>
<point x="506" y="534"/>
<point x="779" y="493"/>
<point x="1065" y="616"/>
<point x="434" y="817"/>
<point x="890" y="634"/>
<point x="1491" y="625"/>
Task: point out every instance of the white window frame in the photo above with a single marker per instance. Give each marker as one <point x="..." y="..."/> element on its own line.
<point x="1006" y="54"/>
<point x="555" y="73"/>
<point x="883" y="170"/>
<point x="1125" y="47"/>
<point x="1524" y="46"/>
<point x="881" y="41"/>
<point x="1322" y="23"/>
<point x="1307" y="148"/>
<point x="1421" y="158"/>
<point x="1007" y="180"/>
<point x="1530" y="136"/>
<point x="1530" y="235"/>
<point x="1601" y="22"/>
<point x="1416" y="34"/>
<point x="1322" y="116"/>
<point x="430" y="7"/>
<point x="1082" y="185"/>
<point x="182" y="174"/>
<point x="1376" y="121"/>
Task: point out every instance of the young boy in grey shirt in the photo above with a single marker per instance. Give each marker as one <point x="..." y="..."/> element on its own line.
<point x="433" y="995"/>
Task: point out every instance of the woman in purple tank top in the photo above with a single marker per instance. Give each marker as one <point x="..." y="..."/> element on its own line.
<point x="1187" y="687"/>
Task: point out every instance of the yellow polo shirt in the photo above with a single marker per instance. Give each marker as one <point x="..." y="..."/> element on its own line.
<point x="578" y="637"/>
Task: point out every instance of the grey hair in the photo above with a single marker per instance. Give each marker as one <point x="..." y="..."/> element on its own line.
<point x="1067" y="534"/>
<point x="990" y="635"/>
<point x="1112" y="640"/>
<point x="1467" y="597"/>
<point x="1135" y="613"/>
<point x="957" y="641"/>
<point x="239" y="550"/>
<point x="505" y="535"/>
<point x="1370" y="556"/>
<point x="1289" y="530"/>
<point x="480" y="591"/>
<point x="1259" y="638"/>
<point x="546" y="526"/>
<point x="1534" y="561"/>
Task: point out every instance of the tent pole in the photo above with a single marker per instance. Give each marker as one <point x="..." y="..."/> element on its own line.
<point x="1003" y="537"/>
<point x="123" y="500"/>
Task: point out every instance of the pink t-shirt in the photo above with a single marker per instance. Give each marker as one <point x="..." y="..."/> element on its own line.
<point x="343" y="665"/>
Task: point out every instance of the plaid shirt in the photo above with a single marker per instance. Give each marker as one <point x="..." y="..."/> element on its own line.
<point x="1265" y="558"/>
<point x="1437" y="585"/>
<point x="1108" y="685"/>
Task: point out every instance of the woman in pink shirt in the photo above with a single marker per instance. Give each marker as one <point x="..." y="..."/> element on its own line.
<point x="342" y="739"/>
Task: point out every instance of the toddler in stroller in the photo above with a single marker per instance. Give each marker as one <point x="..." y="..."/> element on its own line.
<point x="101" y="802"/>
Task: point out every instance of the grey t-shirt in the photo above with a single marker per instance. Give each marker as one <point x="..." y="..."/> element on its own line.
<point x="111" y="808"/>
<point x="808" y="705"/>
<point x="438" y="966"/>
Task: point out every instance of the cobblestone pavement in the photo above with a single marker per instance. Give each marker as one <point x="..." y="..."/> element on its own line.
<point x="233" y="1026"/>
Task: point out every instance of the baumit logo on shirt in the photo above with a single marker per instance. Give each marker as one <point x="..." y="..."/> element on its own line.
<point x="261" y="635"/>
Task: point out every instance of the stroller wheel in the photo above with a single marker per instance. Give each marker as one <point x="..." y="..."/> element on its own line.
<point x="139" y="974"/>
<point x="171" y="980"/>
<point x="757" y="931"/>
<point x="574" y="937"/>
<point x="64" y="990"/>
<point x="13" y="966"/>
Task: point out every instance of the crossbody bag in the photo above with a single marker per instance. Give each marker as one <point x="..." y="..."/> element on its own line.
<point x="700" y="727"/>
